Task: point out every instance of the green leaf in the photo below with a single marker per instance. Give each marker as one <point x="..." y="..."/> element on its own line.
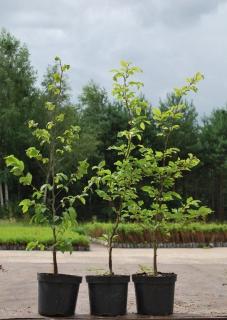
<point x="102" y="194"/>
<point x="34" y="245"/>
<point x="32" y="152"/>
<point x="17" y="166"/>
<point x="32" y="124"/>
<point x="60" y="117"/>
<point x="46" y="186"/>
<point x="57" y="77"/>
<point x="82" y="200"/>
<point x="26" y="204"/>
<point x="124" y="63"/>
<point x="49" y="125"/>
<point x="50" y="106"/>
<point x="26" y="180"/>
<point x="37" y="194"/>
<point x="65" y="67"/>
<point x="142" y="126"/>
<point x="156" y="112"/>
<point x="138" y="111"/>
<point x="82" y="169"/>
<point x="42" y="135"/>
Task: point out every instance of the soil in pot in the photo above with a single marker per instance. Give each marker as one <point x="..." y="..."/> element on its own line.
<point x="108" y="294"/>
<point x="155" y="294"/>
<point x="57" y="294"/>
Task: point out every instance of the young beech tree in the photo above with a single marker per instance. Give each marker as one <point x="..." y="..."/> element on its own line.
<point x="118" y="186"/>
<point x="52" y="203"/>
<point x="161" y="170"/>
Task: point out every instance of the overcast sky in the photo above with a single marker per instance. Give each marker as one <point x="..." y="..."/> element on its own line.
<point x="169" y="39"/>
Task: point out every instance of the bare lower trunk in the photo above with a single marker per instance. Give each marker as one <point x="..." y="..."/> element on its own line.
<point x="45" y="190"/>
<point x="110" y="260"/>
<point x="155" y="247"/>
<point x="6" y="194"/>
<point x="110" y="242"/>
<point x="55" y="265"/>
<point x="1" y="196"/>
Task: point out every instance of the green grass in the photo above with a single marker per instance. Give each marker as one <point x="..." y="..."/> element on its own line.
<point x="23" y="233"/>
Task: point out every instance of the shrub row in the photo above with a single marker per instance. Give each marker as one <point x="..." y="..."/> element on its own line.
<point x="19" y="234"/>
<point x="135" y="233"/>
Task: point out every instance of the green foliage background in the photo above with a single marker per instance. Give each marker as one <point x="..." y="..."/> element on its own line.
<point x="100" y="118"/>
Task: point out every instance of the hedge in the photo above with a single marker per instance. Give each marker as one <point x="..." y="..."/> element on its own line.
<point x="135" y="233"/>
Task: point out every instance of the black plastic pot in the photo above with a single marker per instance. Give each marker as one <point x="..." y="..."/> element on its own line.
<point x="155" y="295"/>
<point x="108" y="294"/>
<point x="57" y="294"/>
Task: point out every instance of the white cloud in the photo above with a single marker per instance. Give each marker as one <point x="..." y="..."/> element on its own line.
<point x="169" y="39"/>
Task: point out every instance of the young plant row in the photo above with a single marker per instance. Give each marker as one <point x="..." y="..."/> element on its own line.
<point x="20" y="234"/>
<point x="139" y="169"/>
<point x="133" y="233"/>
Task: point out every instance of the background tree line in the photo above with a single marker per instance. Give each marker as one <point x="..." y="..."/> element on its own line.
<point x="100" y="118"/>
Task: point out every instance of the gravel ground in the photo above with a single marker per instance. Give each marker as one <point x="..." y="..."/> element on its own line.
<point x="201" y="287"/>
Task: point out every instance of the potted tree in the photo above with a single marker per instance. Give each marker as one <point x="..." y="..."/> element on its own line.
<point x="117" y="187"/>
<point x="52" y="203"/>
<point x="161" y="170"/>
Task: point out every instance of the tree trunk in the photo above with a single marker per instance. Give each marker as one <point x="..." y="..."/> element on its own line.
<point x="221" y="211"/>
<point x="110" y="260"/>
<point x="155" y="247"/>
<point x="212" y="191"/>
<point x="55" y="265"/>
<point x="1" y="196"/>
<point x="6" y="194"/>
<point x="45" y="190"/>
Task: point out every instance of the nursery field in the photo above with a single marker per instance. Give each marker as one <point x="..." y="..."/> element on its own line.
<point x="132" y="233"/>
<point x="20" y="234"/>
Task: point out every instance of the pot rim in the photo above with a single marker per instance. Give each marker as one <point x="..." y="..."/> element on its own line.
<point x="161" y="278"/>
<point x="58" y="278"/>
<point x="105" y="279"/>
